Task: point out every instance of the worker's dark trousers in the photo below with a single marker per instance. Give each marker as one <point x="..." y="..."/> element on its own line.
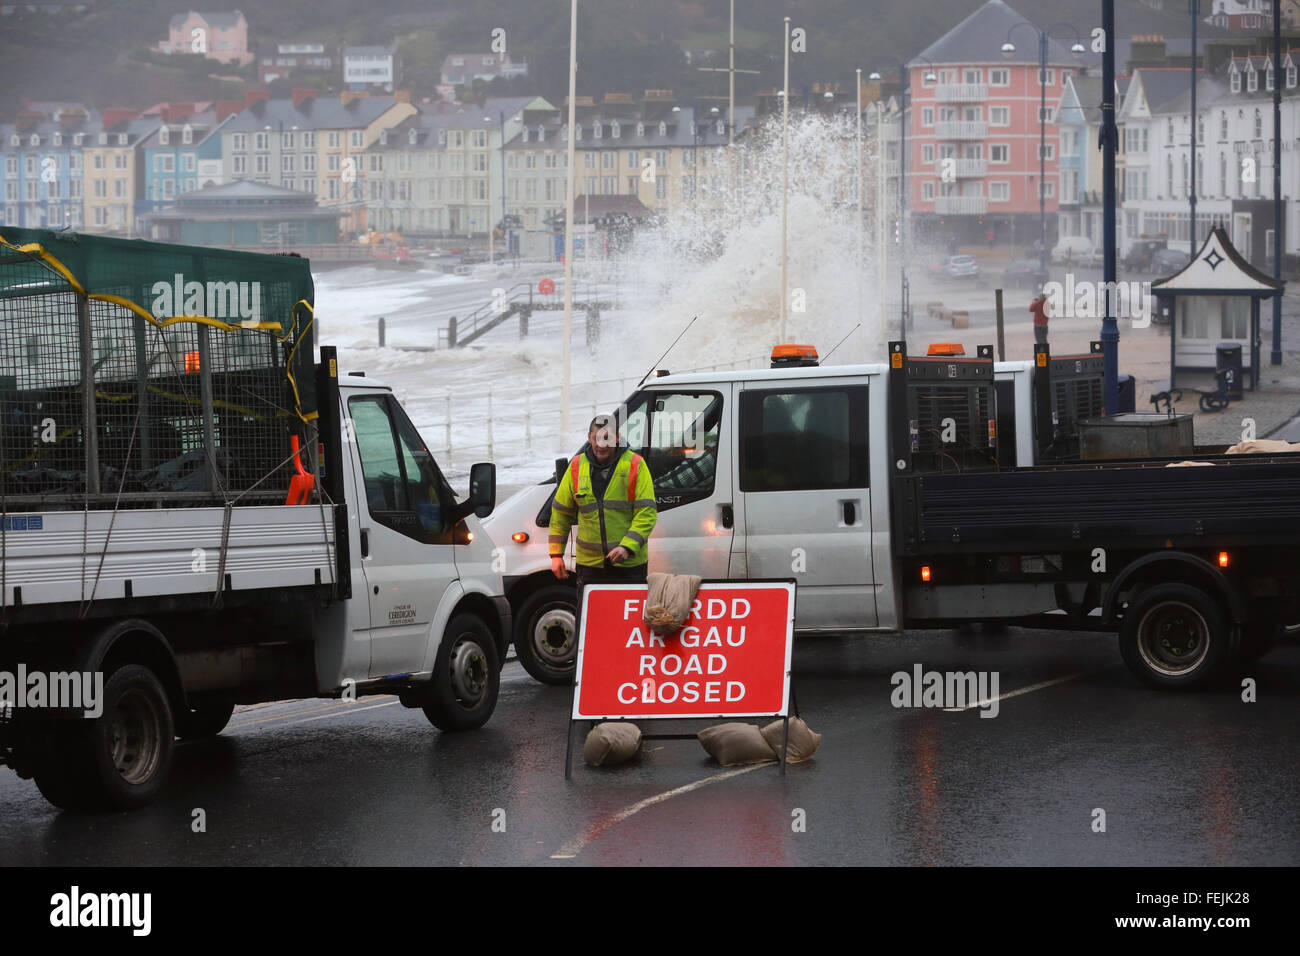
<point x="1040" y="334"/>
<point x="609" y="574"/>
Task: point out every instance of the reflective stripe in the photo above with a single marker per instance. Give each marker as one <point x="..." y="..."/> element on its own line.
<point x="631" y="475"/>
<point x="558" y="538"/>
<point x="564" y="509"/>
<point x="636" y="536"/>
<point x="643" y="503"/>
<point x="591" y="546"/>
<point x="573" y="470"/>
<point x="619" y="505"/>
<point x="587" y="507"/>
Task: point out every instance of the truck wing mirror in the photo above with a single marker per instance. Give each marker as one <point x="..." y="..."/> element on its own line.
<point x="483" y="488"/>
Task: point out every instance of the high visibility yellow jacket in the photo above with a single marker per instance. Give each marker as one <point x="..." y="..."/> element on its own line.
<point x="625" y="516"/>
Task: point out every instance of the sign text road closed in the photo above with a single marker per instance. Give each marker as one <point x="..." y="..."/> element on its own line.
<point x="730" y="659"/>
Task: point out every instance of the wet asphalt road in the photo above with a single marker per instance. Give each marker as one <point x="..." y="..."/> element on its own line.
<point x="1188" y="779"/>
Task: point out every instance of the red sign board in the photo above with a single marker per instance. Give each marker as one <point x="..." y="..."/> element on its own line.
<point x="730" y="659"/>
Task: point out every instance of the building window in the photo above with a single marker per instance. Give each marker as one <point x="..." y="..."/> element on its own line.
<point x="1252" y="81"/>
<point x="1259" y="124"/>
<point x="356" y="138"/>
<point x="663" y="128"/>
<point x="588" y="160"/>
<point x="1045" y="115"/>
<point x="927" y="153"/>
<point x="187" y="162"/>
<point x="1047" y="189"/>
<point x="187" y="135"/>
<point x="615" y="130"/>
<point x="1290" y="77"/>
<point x="164" y="137"/>
<point x="927" y="191"/>
<point x="999" y="116"/>
<point x="478" y="139"/>
<point x="1047" y="151"/>
<point x="1223" y="126"/>
<point x="1049" y="77"/>
<point x="999" y="76"/>
<point x="661" y="187"/>
<point x="999" y="191"/>
<point x="1236" y="82"/>
<point x="640" y="129"/>
<point x="261" y="141"/>
<point x="999" y="153"/>
<point x="661" y="159"/>
<point x="239" y="142"/>
<point x="168" y="163"/>
<point x="239" y="164"/>
<point x="609" y="160"/>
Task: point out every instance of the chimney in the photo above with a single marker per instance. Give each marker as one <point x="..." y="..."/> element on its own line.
<point x="177" y="112"/>
<point x="256" y="96"/>
<point x="301" y="94"/>
<point x="348" y="97"/>
<point x="402" y="96"/>
<point x="71" y="117"/>
<point x="26" y="119"/>
<point x="112" y="116"/>
<point x="224" y="108"/>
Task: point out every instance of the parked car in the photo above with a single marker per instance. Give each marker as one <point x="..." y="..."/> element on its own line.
<point x="1024" y="274"/>
<point x="1165" y="262"/>
<point x="1138" y="257"/>
<point x="1098" y="258"/>
<point x="1072" y="250"/>
<point x="961" y="267"/>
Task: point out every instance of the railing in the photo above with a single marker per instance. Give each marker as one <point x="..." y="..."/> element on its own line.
<point x="505" y="424"/>
<point x="484" y="317"/>
<point x="962" y="167"/>
<point x="961" y="205"/>
<point x="961" y="129"/>
<point x="961" y="93"/>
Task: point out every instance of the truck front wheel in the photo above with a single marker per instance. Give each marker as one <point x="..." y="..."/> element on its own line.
<point x="545" y="637"/>
<point x="466" y="677"/>
<point x="204" y="719"/>
<point x="1174" y="636"/>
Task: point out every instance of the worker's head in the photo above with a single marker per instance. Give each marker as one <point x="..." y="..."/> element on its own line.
<point x="602" y="435"/>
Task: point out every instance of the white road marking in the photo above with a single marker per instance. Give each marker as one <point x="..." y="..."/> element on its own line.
<point x="1016" y="693"/>
<point x="600" y="827"/>
<point x="351" y="709"/>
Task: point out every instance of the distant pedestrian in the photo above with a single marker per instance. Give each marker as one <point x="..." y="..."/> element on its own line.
<point x="1039" y="309"/>
<point x="989" y="236"/>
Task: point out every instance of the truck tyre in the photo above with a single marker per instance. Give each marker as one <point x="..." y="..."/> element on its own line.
<point x="545" y="637"/>
<point x="119" y="760"/>
<point x="1174" y="636"/>
<point x="206" y="720"/>
<point x="466" y="676"/>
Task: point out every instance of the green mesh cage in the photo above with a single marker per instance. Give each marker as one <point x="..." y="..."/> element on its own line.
<point x="200" y="361"/>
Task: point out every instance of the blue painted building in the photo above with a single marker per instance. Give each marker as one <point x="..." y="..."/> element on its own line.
<point x="42" y="167"/>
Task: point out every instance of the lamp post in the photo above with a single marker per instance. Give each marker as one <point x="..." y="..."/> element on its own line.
<point x="904" y="79"/>
<point x="1275" y="357"/>
<point x="568" y="225"/>
<point x="1109" y="327"/>
<point x="785" y="177"/>
<point x="1191" y="198"/>
<point x="1008" y="51"/>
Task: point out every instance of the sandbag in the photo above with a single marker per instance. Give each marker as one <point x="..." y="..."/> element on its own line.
<point x="803" y="742"/>
<point x="1189" y="464"/>
<point x="731" y="744"/>
<point x="668" y="601"/>
<point x="611" y="743"/>
<point x="1262" y="446"/>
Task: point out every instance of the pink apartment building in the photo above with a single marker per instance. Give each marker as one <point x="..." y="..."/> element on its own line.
<point x="973" y="131"/>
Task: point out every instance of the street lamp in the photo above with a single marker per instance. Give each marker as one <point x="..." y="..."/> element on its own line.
<point x="904" y="79"/>
<point x="1009" y="51"/>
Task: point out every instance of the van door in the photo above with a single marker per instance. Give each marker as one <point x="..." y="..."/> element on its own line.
<point x="803" y="477"/>
<point x="683" y="435"/>
<point x="407" y="549"/>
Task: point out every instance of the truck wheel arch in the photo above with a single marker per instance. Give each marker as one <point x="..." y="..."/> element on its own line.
<point x="134" y="641"/>
<point x="486" y="610"/>
<point x="1178" y="566"/>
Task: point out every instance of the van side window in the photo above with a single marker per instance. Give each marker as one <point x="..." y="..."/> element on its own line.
<point x="677" y="433"/>
<point x="405" y="490"/>
<point x="803" y="439"/>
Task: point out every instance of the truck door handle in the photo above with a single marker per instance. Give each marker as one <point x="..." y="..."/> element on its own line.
<point x="850" y="512"/>
<point x="365" y="542"/>
<point x="728" y="516"/>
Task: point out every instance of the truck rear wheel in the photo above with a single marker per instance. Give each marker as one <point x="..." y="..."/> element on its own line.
<point x="207" y="719"/>
<point x="118" y="760"/>
<point x="546" y="639"/>
<point x="1174" y="636"/>
<point x="466" y="677"/>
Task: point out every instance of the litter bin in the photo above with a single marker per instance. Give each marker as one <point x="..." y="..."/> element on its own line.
<point x="1125" y="395"/>
<point x="1227" y="358"/>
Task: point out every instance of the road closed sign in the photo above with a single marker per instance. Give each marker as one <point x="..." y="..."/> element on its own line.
<point x="730" y="659"/>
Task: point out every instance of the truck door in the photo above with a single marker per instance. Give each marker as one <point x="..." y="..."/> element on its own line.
<point x="682" y="435"/>
<point x="802" y="477"/>
<point x="406" y="545"/>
